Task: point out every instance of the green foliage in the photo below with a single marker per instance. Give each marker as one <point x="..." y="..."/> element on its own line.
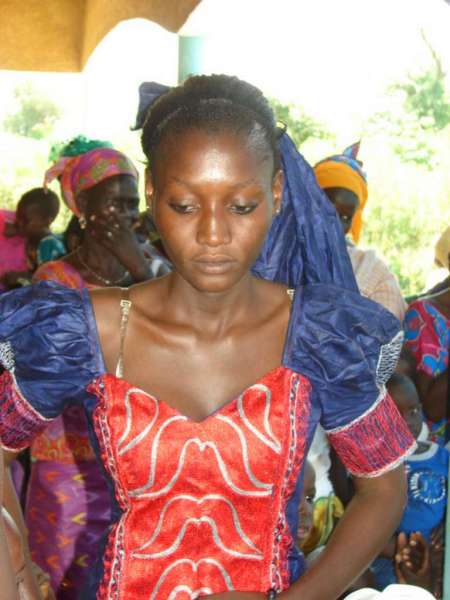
<point x="419" y="111"/>
<point x="300" y="125"/>
<point x="35" y="116"/>
<point x="399" y="236"/>
<point x="408" y="209"/>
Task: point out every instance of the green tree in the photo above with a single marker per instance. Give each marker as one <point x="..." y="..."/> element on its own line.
<point x="300" y="125"/>
<point x="35" y="116"/>
<point x="419" y="111"/>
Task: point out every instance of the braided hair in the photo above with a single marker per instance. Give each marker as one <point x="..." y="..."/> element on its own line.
<point x="213" y="103"/>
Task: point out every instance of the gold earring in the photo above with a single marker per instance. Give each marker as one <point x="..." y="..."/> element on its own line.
<point x="82" y="221"/>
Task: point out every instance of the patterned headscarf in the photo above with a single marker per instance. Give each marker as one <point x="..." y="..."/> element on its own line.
<point x="344" y="171"/>
<point x="82" y="172"/>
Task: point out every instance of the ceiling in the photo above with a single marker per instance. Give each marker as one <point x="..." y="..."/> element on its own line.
<point x="60" y="35"/>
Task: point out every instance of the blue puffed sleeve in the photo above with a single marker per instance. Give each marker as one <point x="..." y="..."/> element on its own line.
<point x="347" y="346"/>
<point x="49" y="348"/>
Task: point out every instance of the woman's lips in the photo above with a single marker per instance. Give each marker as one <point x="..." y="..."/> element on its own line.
<point x="214" y="264"/>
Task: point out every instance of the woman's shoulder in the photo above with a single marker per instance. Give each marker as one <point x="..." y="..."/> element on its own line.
<point x="339" y="332"/>
<point x="47" y="324"/>
<point x="41" y="305"/>
<point x="110" y="304"/>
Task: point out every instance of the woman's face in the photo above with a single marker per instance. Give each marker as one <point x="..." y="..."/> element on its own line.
<point x="117" y="196"/>
<point x="212" y="199"/>
<point x="346" y="204"/>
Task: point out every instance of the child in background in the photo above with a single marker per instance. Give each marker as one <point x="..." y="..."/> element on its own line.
<point x="427" y="472"/>
<point x="306" y="506"/>
<point x="307" y="528"/>
<point x="21" y="234"/>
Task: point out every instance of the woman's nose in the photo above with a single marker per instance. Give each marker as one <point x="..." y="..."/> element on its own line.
<point x="213" y="228"/>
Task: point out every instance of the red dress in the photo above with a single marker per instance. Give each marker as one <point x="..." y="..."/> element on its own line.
<point x="217" y="489"/>
<point x="210" y="506"/>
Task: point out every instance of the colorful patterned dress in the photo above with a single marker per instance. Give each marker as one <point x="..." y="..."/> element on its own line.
<point x="68" y="504"/>
<point x="427" y="333"/>
<point x="206" y="507"/>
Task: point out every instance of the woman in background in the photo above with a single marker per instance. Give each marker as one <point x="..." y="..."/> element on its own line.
<point x="344" y="182"/>
<point x="68" y="505"/>
<point x="427" y="331"/>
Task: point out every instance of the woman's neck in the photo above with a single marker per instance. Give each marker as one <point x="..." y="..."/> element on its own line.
<point x="212" y="313"/>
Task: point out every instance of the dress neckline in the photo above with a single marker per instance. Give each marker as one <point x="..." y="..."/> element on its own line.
<point x="104" y="374"/>
<point x="226" y="406"/>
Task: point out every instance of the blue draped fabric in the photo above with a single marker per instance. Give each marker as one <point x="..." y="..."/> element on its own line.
<point x="305" y="243"/>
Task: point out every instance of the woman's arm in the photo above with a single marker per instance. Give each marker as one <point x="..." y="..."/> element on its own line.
<point x="433" y="394"/>
<point x="18" y="536"/>
<point x="9" y="587"/>
<point x="369" y="520"/>
<point x="10" y="500"/>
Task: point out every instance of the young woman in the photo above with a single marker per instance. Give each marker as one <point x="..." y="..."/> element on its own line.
<point x="203" y="388"/>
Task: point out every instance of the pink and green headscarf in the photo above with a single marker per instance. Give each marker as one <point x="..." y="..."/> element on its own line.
<point x="78" y="173"/>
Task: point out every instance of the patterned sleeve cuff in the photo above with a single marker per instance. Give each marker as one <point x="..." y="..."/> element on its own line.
<point x="375" y="442"/>
<point x="20" y="423"/>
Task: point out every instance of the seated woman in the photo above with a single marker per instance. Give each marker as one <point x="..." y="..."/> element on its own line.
<point x="203" y="387"/>
<point x="427" y="334"/>
<point x="344" y="183"/>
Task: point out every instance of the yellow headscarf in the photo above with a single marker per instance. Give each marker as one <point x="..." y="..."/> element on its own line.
<point x="344" y="171"/>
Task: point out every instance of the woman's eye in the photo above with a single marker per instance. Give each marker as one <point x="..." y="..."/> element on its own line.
<point x="243" y="209"/>
<point x="182" y="209"/>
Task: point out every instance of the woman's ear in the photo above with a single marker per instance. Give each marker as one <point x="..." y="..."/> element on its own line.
<point x="277" y="190"/>
<point x="149" y="190"/>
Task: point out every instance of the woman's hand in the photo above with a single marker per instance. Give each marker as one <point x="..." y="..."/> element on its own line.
<point x="114" y="233"/>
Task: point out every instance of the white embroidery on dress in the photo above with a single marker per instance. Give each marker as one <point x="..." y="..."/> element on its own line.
<point x="194" y="566"/>
<point x="7" y="356"/>
<point x="388" y="358"/>
<point x="212" y="499"/>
